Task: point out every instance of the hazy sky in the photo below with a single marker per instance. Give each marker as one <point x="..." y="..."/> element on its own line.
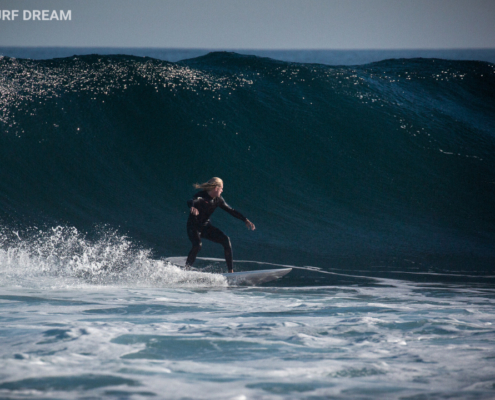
<point x="256" y="24"/>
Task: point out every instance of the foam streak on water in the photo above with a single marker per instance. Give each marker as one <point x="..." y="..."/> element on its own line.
<point x="386" y="341"/>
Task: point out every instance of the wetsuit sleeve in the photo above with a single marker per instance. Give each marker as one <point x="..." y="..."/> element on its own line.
<point x="194" y="201"/>
<point x="224" y="206"/>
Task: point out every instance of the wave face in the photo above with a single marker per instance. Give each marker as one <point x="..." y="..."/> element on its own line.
<point x="390" y="162"/>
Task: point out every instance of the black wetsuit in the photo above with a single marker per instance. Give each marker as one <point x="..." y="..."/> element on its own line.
<point x="199" y="227"/>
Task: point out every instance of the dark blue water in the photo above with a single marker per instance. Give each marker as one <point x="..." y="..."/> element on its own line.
<point x="386" y="168"/>
<point x="329" y="57"/>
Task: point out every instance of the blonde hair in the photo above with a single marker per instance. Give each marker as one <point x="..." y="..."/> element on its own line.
<point x="210" y="185"/>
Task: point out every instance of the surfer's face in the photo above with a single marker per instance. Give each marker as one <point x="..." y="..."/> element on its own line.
<point x="216" y="192"/>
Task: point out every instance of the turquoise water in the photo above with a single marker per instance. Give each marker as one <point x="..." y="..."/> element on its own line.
<point x="105" y="319"/>
<point x="388" y="340"/>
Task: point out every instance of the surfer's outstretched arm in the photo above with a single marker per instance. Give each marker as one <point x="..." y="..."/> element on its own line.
<point x="224" y="206"/>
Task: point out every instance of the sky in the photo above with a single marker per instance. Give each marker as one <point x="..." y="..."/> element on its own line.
<point x="255" y="24"/>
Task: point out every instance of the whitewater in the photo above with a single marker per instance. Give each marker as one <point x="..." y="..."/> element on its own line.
<point x="392" y="341"/>
<point x="374" y="182"/>
<point x="104" y="319"/>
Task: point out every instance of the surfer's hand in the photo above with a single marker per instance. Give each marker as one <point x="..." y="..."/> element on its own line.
<point x="194" y="211"/>
<point x="250" y="225"/>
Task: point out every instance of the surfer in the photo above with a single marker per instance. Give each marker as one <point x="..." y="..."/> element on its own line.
<point x="202" y="205"/>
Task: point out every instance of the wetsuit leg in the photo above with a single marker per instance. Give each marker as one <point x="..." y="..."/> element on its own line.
<point x="194" y="234"/>
<point x="217" y="236"/>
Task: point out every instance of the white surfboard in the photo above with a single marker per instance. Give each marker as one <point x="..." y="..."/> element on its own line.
<point x="251" y="278"/>
<point x="245" y="278"/>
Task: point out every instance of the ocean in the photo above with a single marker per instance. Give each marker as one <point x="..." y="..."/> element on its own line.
<point x="371" y="174"/>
